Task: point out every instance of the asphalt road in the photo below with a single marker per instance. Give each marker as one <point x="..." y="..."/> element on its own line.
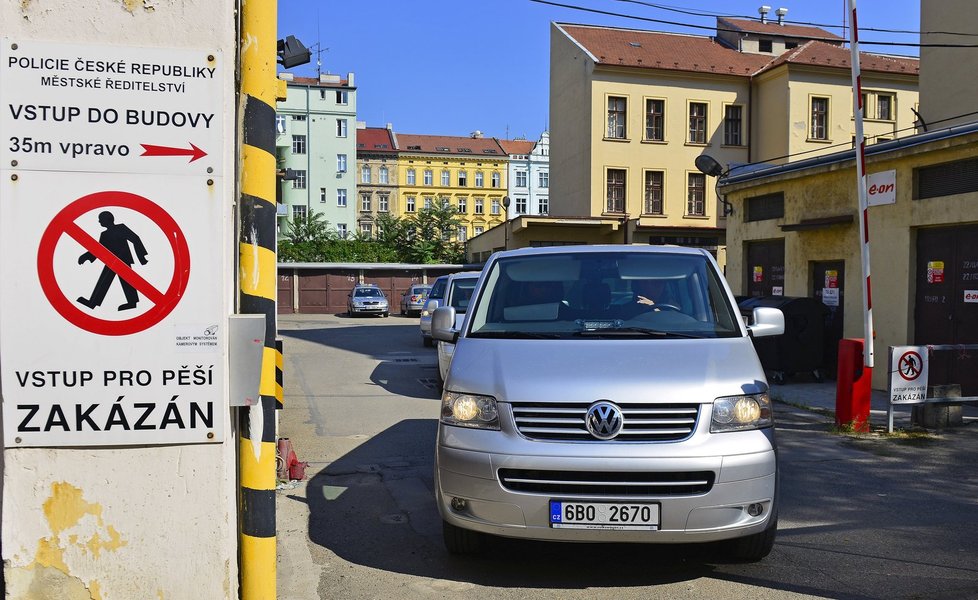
<point x="861" y="518"/>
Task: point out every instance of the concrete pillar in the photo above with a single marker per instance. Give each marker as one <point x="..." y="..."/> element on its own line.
<point x="938" y="415"/>
<point x="82" y="518"/>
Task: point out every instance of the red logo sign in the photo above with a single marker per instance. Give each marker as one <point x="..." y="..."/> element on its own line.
<point x="910" y="366"/>
<point x="116" y="264"/>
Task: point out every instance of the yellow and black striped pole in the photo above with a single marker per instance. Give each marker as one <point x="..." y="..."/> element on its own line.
<point x="257" y="284"/>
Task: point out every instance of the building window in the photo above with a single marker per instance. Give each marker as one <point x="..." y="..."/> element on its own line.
<point x="479" y="229"/>
<point x="279" y="123"/>
<point x="427" y="202"/>
<point x="655" y="120"/>
<point x="480" y="206"/>
<point x="342" y="97"/>
<point x="341" y="230"/>
<point x="653" y="192"/>
<point x="341" y="198"/>
<point x="365" y="202"/>
<point x="479" y="179"/>
<point x="366" y="229"/>
<point x="299" y="118"/>
<point x="322" y="195"/>
<point x="697" y="122"/>
<point x="543" y="205"/>
<point x="298" y="144"/>
<point x="765" y="46"/>
<point x="616" y="190"/>
<point x="412" y="177"/>
<point x="410" y="204"/>
<point x="495" y="206"/>
<point x="463" y="233"/>
<point x="494" y="182"/>
<point x="696" y="198"/>
<point x="520" y="205"/>
<point x="521" y="179"/>
<point x="616" y="117"/>
<point x="299" y="183"/>
<point x="365" y="174"/>
<point x="463" y="205"/>
<point x="446" y="178"/>
<point x="820" y="119"/>
<point x="463" y="178"/>
<point x="544" y="179"/>
<point x="884" y="107"/>
<point x="298" y="212"/>
<point x="384" y="176"/>
<point x="733" y="125"/>
<point x="443" y="200"/>
<point x="762" y="208"/>
<point x="341" y="128"/>
<point x="341" y="163"/>
<point x="428" y="177"/>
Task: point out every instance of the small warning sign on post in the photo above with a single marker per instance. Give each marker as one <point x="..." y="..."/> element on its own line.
<point x="908" y="374"/>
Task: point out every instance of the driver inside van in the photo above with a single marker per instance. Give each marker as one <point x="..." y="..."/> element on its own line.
<point x="651" y="292"/>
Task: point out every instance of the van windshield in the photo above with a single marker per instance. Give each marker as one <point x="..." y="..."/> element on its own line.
<point x="604" y="294"/>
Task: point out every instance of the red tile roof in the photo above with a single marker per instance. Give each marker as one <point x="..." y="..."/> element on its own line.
<point x="828" y="55"/>
<point x="447" y="144"/>
<point x="669" y="51"/>
<point x="517" y="146"/>
<point x="375" y="139"/>
<point x="678" y="52"/>
<point x="775" y="30"/>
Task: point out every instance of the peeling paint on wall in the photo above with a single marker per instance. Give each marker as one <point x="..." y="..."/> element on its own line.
<point x="49" y="575"/>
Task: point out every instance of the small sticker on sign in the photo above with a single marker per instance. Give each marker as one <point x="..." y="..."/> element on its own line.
<point x="830" y="296"/>
<point x="935" y="271"/>
<point x="196" y="338"/>
<point x="758" y="274"/>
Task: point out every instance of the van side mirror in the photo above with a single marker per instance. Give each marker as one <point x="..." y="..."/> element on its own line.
<point x="443" y="324"/>
<point x="767" y="321"/>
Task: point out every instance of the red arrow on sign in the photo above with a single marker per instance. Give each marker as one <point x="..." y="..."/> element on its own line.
<point x="194" y="151"/>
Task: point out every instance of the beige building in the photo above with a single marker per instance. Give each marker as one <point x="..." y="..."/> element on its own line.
<point x="947" y="90"/>
<point x="468" y="173"/>
<point x="631" y="110"/>
<point x="376" y="176"/>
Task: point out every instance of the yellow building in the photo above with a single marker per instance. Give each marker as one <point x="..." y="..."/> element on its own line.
<point x="632" y="110"/>
<point x="468" y="173"/>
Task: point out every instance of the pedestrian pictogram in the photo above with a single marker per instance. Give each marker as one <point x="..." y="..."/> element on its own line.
<point x="117" y="239"/>
<point x="114" y="249"/>
<point x="910" y="365"/>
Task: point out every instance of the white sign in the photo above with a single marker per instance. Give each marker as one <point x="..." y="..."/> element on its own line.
<point x="113" y="316"/>
<point x="830" y="296"/>
<point x="881" y="188"/>
<point x="110" y="109"/>
<point x="777" y="290"/>
<point x="971" y="296"/>
<point x="908" y="377"/>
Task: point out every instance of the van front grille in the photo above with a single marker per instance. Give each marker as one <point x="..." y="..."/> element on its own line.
<point x="646" y="422"/>
<point x="607" y="483"/>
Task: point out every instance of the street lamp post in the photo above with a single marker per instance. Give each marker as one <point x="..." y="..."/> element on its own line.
<point x="506" y="223"/>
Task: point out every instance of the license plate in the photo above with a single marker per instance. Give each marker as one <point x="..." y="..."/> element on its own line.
<point x="604" y="515"/>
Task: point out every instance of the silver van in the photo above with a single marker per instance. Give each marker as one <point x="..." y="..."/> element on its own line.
<point x="606" y="394"/>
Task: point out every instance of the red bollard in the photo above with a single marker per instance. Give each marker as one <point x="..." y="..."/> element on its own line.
<point x="853" y="386"/>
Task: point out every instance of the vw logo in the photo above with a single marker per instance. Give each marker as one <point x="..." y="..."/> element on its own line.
<point x="604" y="420"/>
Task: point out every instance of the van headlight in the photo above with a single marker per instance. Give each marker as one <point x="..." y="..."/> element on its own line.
<point x="740" y="413"/>
<point x="469" y="410"/>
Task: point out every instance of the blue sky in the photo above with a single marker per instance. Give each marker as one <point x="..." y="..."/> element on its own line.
<point x="445" y="67"/>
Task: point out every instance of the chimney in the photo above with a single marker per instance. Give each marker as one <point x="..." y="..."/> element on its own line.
<point x="390" y="127"/>
<point x="349" y="80"/>
<point x="781" y="12"/>
<point x="763" y="12"/>
<point x="476" y="134"/>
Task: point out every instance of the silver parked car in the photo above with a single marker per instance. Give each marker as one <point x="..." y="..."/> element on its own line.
<point x="435" y="298"/>
<point x="458" y="295"/>
<point x="413" y="299"/>
<point x="367" y="299"/>
<point x="606" y="394"/>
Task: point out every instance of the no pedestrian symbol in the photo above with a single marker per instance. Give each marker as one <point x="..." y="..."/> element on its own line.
<point x="112" y="250"/>
<point x="910" y="366"/>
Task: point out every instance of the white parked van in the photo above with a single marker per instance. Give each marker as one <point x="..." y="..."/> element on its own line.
<point x="606" y="394"/>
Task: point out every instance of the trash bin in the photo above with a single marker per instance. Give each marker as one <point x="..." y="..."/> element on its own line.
<point x="800" y="349"/>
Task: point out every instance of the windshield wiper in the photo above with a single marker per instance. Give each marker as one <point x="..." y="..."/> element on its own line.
<point x="639" y="330"/>
<point x="515" y="335"/>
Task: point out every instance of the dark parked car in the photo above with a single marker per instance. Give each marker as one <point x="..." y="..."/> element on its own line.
<point x="412" y="300"/>
<point x="367" y="299"/>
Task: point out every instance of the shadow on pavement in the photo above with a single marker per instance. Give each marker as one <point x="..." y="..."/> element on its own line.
<point x="375" y="507"/>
